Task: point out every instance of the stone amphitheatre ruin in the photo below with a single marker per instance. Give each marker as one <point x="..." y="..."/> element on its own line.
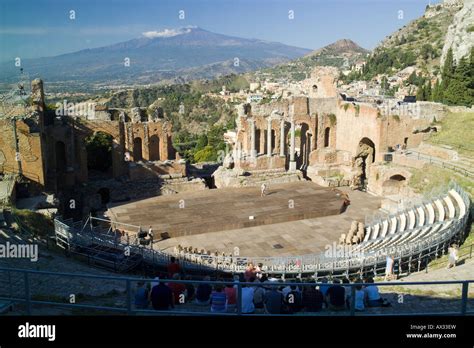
<point x="291" y="144"/>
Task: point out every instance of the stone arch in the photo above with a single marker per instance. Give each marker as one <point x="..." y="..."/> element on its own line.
<point x="154" y="148"/>
<point x="137" y="149"/>
<point x="99" y="151"/>
<point x="394" y="184"/>
<point x="327" y="136"/>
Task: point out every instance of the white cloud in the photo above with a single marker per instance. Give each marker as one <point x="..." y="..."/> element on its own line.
<point x="166" y="32"/>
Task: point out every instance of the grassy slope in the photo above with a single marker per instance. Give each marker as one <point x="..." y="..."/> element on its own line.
<point x="456" y="131"/>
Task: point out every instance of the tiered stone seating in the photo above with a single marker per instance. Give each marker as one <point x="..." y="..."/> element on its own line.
<point x="424" y="221"/>
<point x="450" y="206"/>
<point x="431" y="213"/>
<point x="421" y="215"/>
<point x="393" y="224"/>
<point x="411" y="219"/>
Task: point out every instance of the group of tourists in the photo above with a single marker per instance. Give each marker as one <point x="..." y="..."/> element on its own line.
<point x="259" y="293"/>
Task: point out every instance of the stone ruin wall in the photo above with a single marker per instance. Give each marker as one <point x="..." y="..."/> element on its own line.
<point x="30" y="151"/>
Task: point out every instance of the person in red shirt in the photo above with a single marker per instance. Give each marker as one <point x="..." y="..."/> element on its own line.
<point x="173" y="267"/>
<point x="250" y="272"/>
<point x="178" y="290"/>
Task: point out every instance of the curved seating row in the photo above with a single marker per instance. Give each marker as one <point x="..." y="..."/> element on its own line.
<point x="408" y="226"/>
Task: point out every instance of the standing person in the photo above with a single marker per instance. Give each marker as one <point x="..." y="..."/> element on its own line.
<point x="150" y="234"/>
<point x="389" y="268"/>
<point x="263" y="189"/>
<point x="173" y="267"/>
<point x="250" y="272"/>
<point x="453" y="256"/>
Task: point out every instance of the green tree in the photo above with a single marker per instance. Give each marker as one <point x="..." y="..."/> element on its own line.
<point x="448" y="69"/>
<point x="428" y="91"/>
<point x="420" y="93"/>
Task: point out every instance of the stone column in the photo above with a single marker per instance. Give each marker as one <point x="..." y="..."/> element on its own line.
<point x="292" y="146"/>
<point x="269" y="138"/>
<point x="282" y="138"/>
<point x="252" y="139"/>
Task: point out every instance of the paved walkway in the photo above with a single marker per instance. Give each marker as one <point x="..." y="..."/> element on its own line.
<point x="463" y="271"/>
<point x="283" y="239"/>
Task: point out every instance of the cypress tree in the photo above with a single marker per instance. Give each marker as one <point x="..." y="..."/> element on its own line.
<point x="428" y="91"/>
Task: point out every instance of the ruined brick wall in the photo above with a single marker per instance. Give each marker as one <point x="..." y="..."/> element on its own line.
<point x="29" y="147"/>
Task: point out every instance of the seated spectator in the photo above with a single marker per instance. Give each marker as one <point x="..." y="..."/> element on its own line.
<point x="161" y="297"/>
<point x="286" y="290"/>
<point x="178" y="290"/>
<point x="312" y="299"/>
<point x="294" y="300"/>
<point x="190" y="290"/>
<point x="258" y="295"/>
<point x="273" y="301"/>
<point x="231" y="296"/>
<point x="250" y="272"/>
<point x="203" y="292"/>
<point x="141" y="296"/>
<point x="218" y="300"/>
<point x="348" y="291"/>
<point x="372" y="295"/>
<point x="247" y="298"/>
<point x="173" y="267"/>
<point x="359" y="298"/>
<point x="155" y="281"/>
<point x="323" y="287"/>
<point x="335" y="295"/>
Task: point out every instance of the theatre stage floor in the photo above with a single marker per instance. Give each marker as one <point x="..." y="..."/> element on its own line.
<point x="219" y="219"/>
<point x="207" y="211"/>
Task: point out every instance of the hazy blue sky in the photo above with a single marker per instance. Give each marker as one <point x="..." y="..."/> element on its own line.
<point x="42" y="27"/>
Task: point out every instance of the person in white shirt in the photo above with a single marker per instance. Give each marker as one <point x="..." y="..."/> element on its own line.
<point x="453" y="256"/>
<point x="263" y="190"/>
<point x="389" y="268"/>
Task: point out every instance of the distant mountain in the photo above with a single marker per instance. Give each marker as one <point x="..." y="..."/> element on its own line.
<point x="158" y="56"/>
<point x="341" y="54"/>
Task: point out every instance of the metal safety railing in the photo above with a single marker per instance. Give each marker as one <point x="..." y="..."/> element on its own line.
<point x="22" y="288"/>
<point x="440" y="163"/>
<point x="433" y="244"/>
